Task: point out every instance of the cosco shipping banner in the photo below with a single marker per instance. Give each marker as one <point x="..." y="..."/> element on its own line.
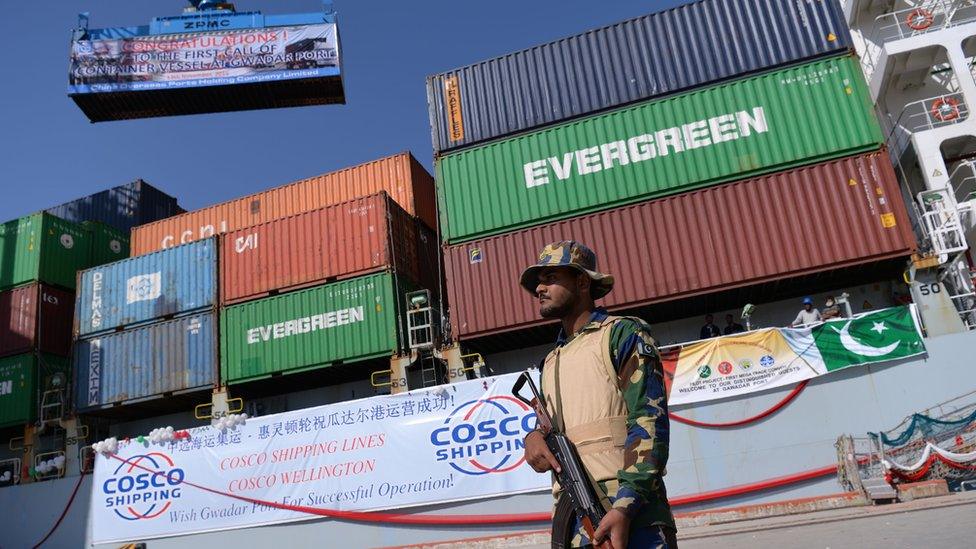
<point x="204" y="59"/>
<point x="764" y="359"/>
<point x="456" y="442"/>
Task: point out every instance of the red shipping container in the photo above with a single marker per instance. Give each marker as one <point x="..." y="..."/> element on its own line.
<point x="350" y="239"/>
<point x="36" y="318"/>
<point x="816" y="218"/>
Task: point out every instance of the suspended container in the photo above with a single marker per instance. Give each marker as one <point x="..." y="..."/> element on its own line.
<point x="342" y="322"/>
<point x="23" y="381"/>
<point x="817" y="218"/>
<point x="650" y="56"/>
<point x="343" y="241"/>
<point x="121" y="207"/>
<point x="211" y="60"/>
<point x="400" y="176"/>
<point x="771" y="122"/>
<point x="36" y="317"/>
<point x="146" y="363"/>
<point x="168" y="283"/>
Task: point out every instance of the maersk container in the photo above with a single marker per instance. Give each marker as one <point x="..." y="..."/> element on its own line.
<point x="350" y="239"/>
<point x="812" y="219"/>
<point x="36" y="317"/>
<point x="121" y="207"/>
<point x="148" y="362"/>
<point x="42" y="247"/>
<point x="401" y="176"/>
<point x="650" y="56"/>
<point x="172" y="282"/>
<point x="341" y="322"/>
<point x="766" y="123"/>
<point x="23" y="378"/>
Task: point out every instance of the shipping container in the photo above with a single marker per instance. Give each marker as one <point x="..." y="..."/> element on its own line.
<point x="341" y="322"/>
<point x="172" y="282"/>
<point x="650" y="56"/>
<point x="42" y="247"/>
<point x="775" y="121"/>
<point x="350" y="239"/>
<point x="817" y="218"/>
<point x="23" y="380"/>
<point x="148" y="362"/>
<point x="401" y="176"/>
<point x="108" y="243"/>
<point x="36" y="318"/>
<point x="121" y="207"/>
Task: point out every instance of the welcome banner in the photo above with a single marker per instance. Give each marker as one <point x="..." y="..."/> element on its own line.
<point x="456" y="442"/>
<point x="763" y="359"/>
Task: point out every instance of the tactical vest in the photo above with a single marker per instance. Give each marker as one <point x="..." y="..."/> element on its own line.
<point x="584" y="398"/>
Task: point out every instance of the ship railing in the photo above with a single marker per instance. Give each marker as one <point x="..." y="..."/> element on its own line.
<point x="858" y="459"/>
<point x="941" y="216"/>
<point x="10" y="471"/>
<point x="928" y="16"/>
<point x="960" y="283"/>
<point x="926" y="114"/>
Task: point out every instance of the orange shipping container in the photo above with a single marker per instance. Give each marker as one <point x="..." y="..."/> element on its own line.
<point x="350" y="239"/>
<point x="401" y="176"/>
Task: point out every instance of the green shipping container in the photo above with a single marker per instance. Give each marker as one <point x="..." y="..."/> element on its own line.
<point x="344" y="321"/>
<point x="23" y="378"/>
<point x="108" y="243"/>
<point x="771" y="122"/>
<point x="45" y="248"/>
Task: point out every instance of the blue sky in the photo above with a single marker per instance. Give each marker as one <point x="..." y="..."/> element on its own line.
<point x="50" y="153"/>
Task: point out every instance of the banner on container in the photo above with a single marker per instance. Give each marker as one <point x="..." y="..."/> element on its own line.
<point x="203" y="59"/>
<point x="764" y="359"/>
<point x="461" y="441"/>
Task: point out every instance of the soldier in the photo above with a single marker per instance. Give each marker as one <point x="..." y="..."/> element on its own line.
<point x="604" y="387"/>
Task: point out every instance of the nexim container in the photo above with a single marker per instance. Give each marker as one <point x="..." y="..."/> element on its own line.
<point x="121" y="207"/>
<point x="171" y="282"/>
<point x="42" y="247"/>
<point x="23" y="378"/>
<point x="36" y="317"/>
<point x="817" y="218"/>
<point x="654" y="55"/>
<point x="345" y="321"/>
<point x="401" y="176"/>
<point x="148" y="362"/>
<point x="765" y="123"/>
<point x="343" y="241"/>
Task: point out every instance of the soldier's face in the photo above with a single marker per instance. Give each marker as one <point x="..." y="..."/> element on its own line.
<point x="558" y="291"/>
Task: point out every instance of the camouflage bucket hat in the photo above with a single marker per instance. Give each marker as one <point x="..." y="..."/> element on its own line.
<point x="574" y="255"/>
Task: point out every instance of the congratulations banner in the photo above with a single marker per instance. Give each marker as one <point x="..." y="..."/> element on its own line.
<point x="204" y="59"/>
<point x="458" y="442"/>
<point x="764" y="359"/>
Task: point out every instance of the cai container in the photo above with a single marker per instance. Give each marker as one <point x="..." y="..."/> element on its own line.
<point x="649" y="56"/>
<point x="401" y="176"/>
<point x="770" y="122"/>
<point x="675" y="247"/>
<point x="36" y="317"/>
<point x="164" y="284"/>
<point x="147" y="362"/>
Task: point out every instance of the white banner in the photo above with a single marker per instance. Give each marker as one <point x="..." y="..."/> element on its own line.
<point x="454" y="442"/>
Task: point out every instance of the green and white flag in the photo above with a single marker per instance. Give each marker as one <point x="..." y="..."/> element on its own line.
<point x="883" y="335"/>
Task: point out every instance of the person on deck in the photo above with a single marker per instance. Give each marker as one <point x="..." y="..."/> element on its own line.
<point x="808" y="314"/>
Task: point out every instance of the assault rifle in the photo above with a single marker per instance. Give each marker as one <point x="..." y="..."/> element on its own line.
<point x="573" y="478"/>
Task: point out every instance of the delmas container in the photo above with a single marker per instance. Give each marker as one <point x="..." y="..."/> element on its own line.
<point x="342" y="322"/>
<point x="36" y="317"/>
<point x="121" y="207"/>
<point x="400" y="176"/>
<point x="650" y="56"/>
<point x="163" y="284"/>
<point x="23" y="380"/>
<point x="766" y="123"/>
<point x="45" y="248"/>
<point x="147" y="362"/>
<point x="350" y="239"/>
<point x="739" y="234"/>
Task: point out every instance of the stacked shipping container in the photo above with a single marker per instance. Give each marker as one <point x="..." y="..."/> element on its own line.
<point x="581" y="171"/>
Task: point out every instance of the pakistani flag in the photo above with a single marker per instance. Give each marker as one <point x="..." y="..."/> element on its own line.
<point x="883" y="335"/>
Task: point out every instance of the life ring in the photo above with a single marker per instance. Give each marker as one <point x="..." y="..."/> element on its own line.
<point x="919" y="19"/>
<point x="945" y="109"/>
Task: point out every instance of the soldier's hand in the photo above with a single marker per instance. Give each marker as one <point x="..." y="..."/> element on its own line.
<point x="616" y="527"/>
<point x="537" y="454"/>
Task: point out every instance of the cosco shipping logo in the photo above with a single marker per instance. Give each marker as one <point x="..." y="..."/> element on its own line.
<point x="484" y="436"/>
<point x="135" y="493"/>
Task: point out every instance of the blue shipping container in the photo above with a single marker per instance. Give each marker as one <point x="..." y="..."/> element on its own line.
<point x="146" y="362"/>
<point x="140" y="289"/>
<point x="122" y="207"/>
<point x="650" y="56"/>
